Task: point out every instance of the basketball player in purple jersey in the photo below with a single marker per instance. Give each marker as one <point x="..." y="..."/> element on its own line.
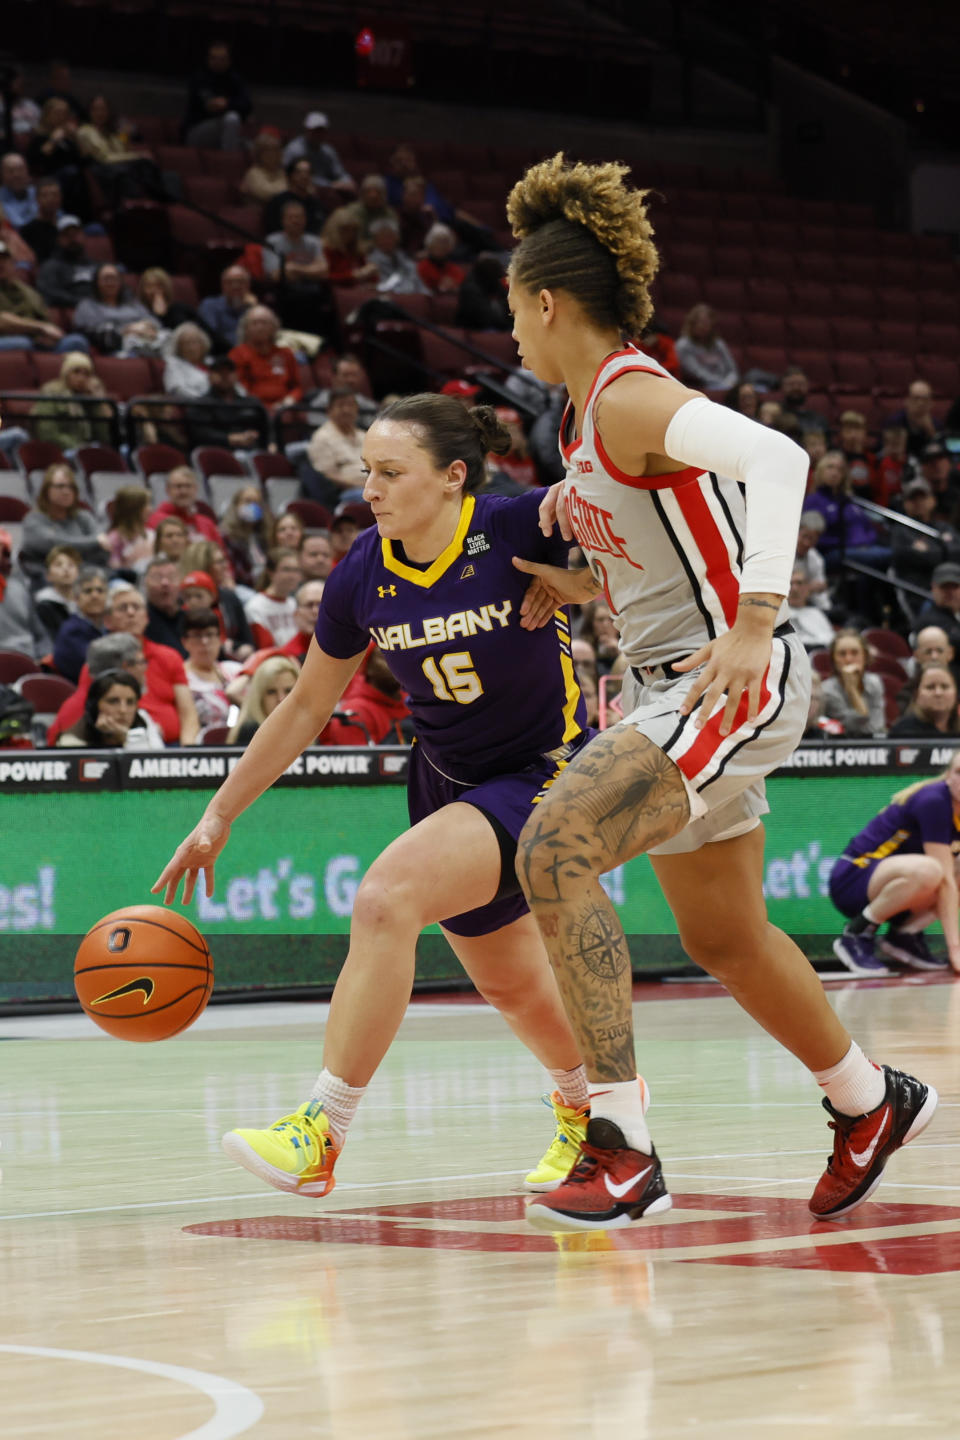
<point x="498" y="714"/>
<point x="687" y="513"/>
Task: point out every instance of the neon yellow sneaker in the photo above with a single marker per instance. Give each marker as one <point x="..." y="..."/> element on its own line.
<point x="296" y="1153"/>
<point x="571" y="1132"/>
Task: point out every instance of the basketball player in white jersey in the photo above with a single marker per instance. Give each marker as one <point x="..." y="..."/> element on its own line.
<point x="687" y="513"/>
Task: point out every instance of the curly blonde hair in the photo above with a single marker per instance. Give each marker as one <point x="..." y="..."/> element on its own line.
<point x="584" y="230"/>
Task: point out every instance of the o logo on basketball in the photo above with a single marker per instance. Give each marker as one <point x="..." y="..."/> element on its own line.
<point x="119" y="939"/>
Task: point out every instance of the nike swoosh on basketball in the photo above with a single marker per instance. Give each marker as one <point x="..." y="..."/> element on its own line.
<point x="862" y="1158"/>
<point x="132" y="986"/>
<point x="618" y="1191"/>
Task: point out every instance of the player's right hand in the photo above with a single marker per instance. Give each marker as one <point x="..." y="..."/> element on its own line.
<point x="198" y="852"/>
<point x="553" y="510"/>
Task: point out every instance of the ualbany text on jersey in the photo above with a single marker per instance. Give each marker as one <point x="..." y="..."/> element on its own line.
<point x="438" y="629"/>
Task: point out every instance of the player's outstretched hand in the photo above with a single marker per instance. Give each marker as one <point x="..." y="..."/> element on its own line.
<point x="551" y="586"/>
<point x="553" y="510"/>
<point x="198" y="852"/>
<point x="732" y="664"/>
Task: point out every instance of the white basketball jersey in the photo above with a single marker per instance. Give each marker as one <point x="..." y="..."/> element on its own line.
<point x="669" y="547"/>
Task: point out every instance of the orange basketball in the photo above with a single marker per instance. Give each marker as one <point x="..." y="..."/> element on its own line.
<point x="143" y="973"/>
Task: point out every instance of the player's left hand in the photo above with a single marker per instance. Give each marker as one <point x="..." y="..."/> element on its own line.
<point x="552" y="586"/>
<point x="732" y="664"/>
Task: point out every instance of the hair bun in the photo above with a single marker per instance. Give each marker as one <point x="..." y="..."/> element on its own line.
<point x="494" y="435"/>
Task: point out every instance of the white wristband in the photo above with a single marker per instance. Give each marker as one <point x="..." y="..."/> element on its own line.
<point x="772" y="468"/>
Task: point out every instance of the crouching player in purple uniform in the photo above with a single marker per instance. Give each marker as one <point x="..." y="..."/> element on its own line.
<point x="497" y="713"/>
<point x="901" y="869"/>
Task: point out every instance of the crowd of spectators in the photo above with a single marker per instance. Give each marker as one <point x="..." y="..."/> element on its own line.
<point x="213" y="585"/>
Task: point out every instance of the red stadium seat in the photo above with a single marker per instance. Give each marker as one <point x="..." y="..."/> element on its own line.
<point x="99" y="457"/>
<point x="185" y="290"/>
<point x="815" y="266"/>
<point x="852" y="368"/>
<point x="888" y="642"/>
<point x="690" y="258"/>
<point x="124" y="377"/>
<point x="896" y="304"/>
<point x="760" y="329"/>
<point x="779" y="265"/>
<point x="768" y="294"/>
<point x="46" y="693"/>
<point x="210" y="192"/>
<point x="313" y="515"/>
<point x="819" y="239"/>
<point x="939" y="339"/>
<point x="898" y="336"/>
<point x="183" y="159"/>
<point x="811" y="297"/>
<point x="770" y="358"/>
<point x="808" y="330"/>
<point x="857" y="269"/>
<point x="734" y="260"/>
<point x="673" y="288"/>
<point x="817" y="365"/>
<point x="853" y="334"/>
<point x="822" y="663"/>
<point x="12" y="507"/>
<point x="14" y="663"/>
<point x="157" y="459"/>
<point x="724" y="292"/>
<point x="38" y="454"/>
<point x="938" y="308"/>
<point x="735" y="232"/>
<point x="272" y="465"/>
<point x="857" y="300"/>
<point x="16" y="370"/>
<point x="899" y="272"/>
<point x="894" y="373"/>
<point x="776" y="235"/>
<point x="209" y="460"/>
<point x="942" y="372"/>
<point x="498" y="344"/>
<point x="46" y="366"/>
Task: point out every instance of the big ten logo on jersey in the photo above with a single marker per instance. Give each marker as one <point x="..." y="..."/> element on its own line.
<point x="593" y="527"/>
<point x="584" y="467"/>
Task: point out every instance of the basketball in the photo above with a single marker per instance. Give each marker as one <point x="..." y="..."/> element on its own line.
<point x="143" y="973"/>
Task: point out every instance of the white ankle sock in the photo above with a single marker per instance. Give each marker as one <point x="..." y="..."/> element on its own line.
<point x="855" y="1086"/>
<point x="339" y="1100"/>
<point x="572" y="1085"/>
<point x="622" y="1102"/>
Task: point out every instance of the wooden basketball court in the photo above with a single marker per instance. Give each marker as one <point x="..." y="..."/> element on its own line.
<point x="151" y="1291"/>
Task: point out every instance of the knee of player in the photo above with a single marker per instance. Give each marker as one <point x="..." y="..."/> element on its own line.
<point x="383" y="903"/>
<point x="929" y="874"/>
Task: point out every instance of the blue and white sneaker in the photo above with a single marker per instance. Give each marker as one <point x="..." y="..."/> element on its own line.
<point x="912" y="951"/>
<point x="858" y="954"/>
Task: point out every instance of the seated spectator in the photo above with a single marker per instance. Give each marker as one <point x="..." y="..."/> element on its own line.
<point x="482" y="301"/>
<point x="810" y="623"/>
<point x="819" y="726"/>
<point x="932" y="708"/>
<point x="55" y="599"/>
<point x="297" y="262"/>
<point x="220" y="315"/>
<point x="161" y="587"/>
<point x="794" y="390"/>
<point x="770" y="414"/>
<point x="916" y="556"/>
<point x="21" y="627"/>
<point x="373" y="707"/>
<point x="287" y="531"/>
<point x="932" y="647"/>
<point x="24" y="112"/>
<point x="347" y="262"/>
<point x="660" y="346"/>
<point x="123" y="171"/>
<point x="943" y="608"/>
<point x="705" y="359"/>
<point x="265" y="369"/>
<point x="65" y="416"/>
<point x="414" y="215"/>
<point x="895" y="468"/>
<point x="67" y="277"/>
<point x="271" y="683"/>
<point x="246" y="535"/>
<point x="166" y="693"/>
<point x="815" y="444"/>
<point x="155" y="293"/>
<point x="585" y="666"/>
<point x="542" y="439"/>
<point x="396" y="270"/>
<point x="335" y="453"/>
<point x="185" y="372"/>
<point x="401" y="166"/>
<point x="302" y="187"/>
<point x="308" y="595"/>
<point x="315" y="555"/>
<point x="915" y="415"/>
<point x="17" y="193"/>
<point x="516" y="463"/>
<point x="24" y="259"/>
<point x="53" y="150"/>
<point x="25" y="322"/>
<point x="60" y="87"/>
<point x="130" y="539"/>
<point x="314" y="145"/>
<point x="57" y="518"/>
<point x="344" y="529"/>
<point x="266" y="176"/>
<point x="810" y="559"/>
<point x="111" y="719"/>
<point x="226" y="416"/>
<point x="84" y="625"/>
<point x="114" y="320"/>
<point x="171" y="537"/>
<point x="348" y="374"/>
<point x="371" y="205"/>
<point x="744" y="398"/>
<point x="861" y="462"/>
<point x="181" y="501"/>
<point x="272" y="612"/>
<point x="936" y="467"/>
<point x="852" y="694"/>
<point x="207" y="676"/>
<point x="203" y="558"/>
<point x="440" y="274"/>
<point x="218" y="103"/>
<point x="846" y="527"/>
<point x="41" y="232"/>
<point x="598" y="627"/>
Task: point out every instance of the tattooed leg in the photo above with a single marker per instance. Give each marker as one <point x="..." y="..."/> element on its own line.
<point x="619" y="798"/>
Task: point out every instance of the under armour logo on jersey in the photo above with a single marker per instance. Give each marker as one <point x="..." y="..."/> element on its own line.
<point x="384" y="590"/>
<point x="467" y="572"/>
<point x="477" y="544"/>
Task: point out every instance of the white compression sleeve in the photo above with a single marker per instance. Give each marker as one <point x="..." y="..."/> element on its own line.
<point x="772" y="468"/>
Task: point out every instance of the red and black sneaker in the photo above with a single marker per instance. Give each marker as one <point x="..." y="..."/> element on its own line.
<point x="609" y="1187"/>
<point x="863" y="1144"/>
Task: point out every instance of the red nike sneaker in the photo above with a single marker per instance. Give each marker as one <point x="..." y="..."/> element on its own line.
<point x="609" y="1187"/>
<point x="863" y="1144"/>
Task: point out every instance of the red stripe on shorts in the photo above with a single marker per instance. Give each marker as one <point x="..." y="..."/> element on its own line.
<point x="709" y="741"/>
